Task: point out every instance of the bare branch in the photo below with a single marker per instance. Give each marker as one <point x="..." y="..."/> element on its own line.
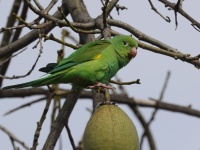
<point x="75" y="29"/>
<point x="70" y="136"/>
<point x="156" y="109"/>
<point x="39" y="124"/>
<point x="182" y="12"/>
<point x="140" y="117"/>
<point x="150" y="104"/>
<point x="125" y="83"/>
<point x="12" y="93"/>
<point x="24" y="105"/>
<point x="51" y="4"/>
<point x="109" y="7"/>
<point x="164" y="49"/>
<point x="114" y="97"/>
<point x="26" y="39"/>
<point x="118" y="7"/>
<point x="149" y="135"/>
<point x="184" y="57"/>
<point x="176" y="8"/>
<point x="38" y="5"/>
<point x="194" y="26"/>
<point x="28" y="73"/>
<point x="167" y="19"/>
<point x="6" y="39"/>
<point x="31" y="25"/>
<point x="13" y="56"/>
<point x="14" y="138"/>
<point x="63" y="116"/>
<point x="140" y="35"/>
<point x="51" y="37"/>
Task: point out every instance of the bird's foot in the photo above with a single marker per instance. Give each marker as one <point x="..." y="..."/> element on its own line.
<point x="100" y="85"/>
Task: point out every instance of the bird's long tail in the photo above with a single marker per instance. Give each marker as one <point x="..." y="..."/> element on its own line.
<point x="51" y="79"/>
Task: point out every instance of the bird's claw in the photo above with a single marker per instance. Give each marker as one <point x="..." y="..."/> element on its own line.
<point x="101" y="85"/>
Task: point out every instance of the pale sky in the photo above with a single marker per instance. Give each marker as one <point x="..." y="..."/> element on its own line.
<point x="172" y="131"/>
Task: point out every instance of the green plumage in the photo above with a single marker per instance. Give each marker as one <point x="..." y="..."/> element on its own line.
<point x="97" y="61"/>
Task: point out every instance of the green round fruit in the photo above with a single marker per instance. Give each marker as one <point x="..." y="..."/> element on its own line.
<point x="110" y="128"/>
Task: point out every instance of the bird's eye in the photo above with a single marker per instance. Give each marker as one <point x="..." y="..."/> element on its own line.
<point x="125" y="43"/>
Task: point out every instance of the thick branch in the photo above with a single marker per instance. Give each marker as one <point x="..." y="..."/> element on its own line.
<point x="119" y="98"/>
<point x="184" y="57"/>
<point x="8" y="35"/>
<point x="79" y="13"/>
<point x="140" y="35"/>
<point x="61" y="120"/>
<point x="13" y="93"/>
<point x="163" y="48"/>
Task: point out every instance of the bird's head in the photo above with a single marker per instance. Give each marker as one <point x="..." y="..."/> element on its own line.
<point x="125" y="46"/>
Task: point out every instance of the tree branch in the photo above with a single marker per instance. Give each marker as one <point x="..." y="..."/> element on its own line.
<point x="163" y="48"/>
<point x="167" y="19"/>
<point x="182" y="12"/>
<point x="14" y="138"/>
<point x="27" y="39"/>
<point x="118" y="98"/>
<point x="79" y="14"/>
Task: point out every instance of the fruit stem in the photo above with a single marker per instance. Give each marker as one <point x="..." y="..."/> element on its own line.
<point x="107" y="96"/>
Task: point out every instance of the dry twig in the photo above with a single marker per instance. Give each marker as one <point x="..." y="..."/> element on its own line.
<point x="39" y="124"/>
<point x="51" y="37"/>
<point x="125" y="83"/>
<point x="28" y="73"/>
<point x="70" y="136"/>
<point x="13" y="138"/>
<point x="167" y="19"/>
<point x="24" y="105"/>
<point x="156" y="109"/>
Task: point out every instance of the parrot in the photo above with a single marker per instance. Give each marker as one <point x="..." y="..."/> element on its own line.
<point x="90" y="66"/>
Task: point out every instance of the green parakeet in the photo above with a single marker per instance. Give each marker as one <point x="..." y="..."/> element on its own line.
<point x="94" y="64"/>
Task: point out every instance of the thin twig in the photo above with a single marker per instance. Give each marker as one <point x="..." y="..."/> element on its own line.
<point x="154" y="9"/>
<point x="194" y="26"/>
<point x="31" y="25"/>
<point x="38" y="5"/>
<point x="13" y="56"/>
<point x="24" y="105"/>
<point x="156" y="109"/>
<point x="176" y="8"/>
<point x="104" y="13"/>
<point x="125" y="83"/>
<point x="39" y="124"/>
<point x="28" y="73"/>
<point x="75" y="29"/>
<point x="51" y="37"/>
<point x="70" y="136"/>
<point x="182" y="12"/>
<point x="118" y="7"/>
<point x="51" y="4"/>
<point x="143" y="122"/>
<point x="176" y="55"/>
<point x="36" y="21"/>
<point x="112" y="4"/>
<point x="11" y="28"/>
<point x="14" y="138"/>
<point x="141" y="119"/>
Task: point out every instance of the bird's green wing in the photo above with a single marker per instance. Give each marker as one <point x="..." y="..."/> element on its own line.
<point x="86" y="53"/>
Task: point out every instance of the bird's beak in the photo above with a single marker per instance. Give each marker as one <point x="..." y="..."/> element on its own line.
<point x="132" y="53"/>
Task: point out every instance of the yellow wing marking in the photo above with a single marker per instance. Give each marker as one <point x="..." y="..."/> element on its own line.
<point x="98" y="56"/>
